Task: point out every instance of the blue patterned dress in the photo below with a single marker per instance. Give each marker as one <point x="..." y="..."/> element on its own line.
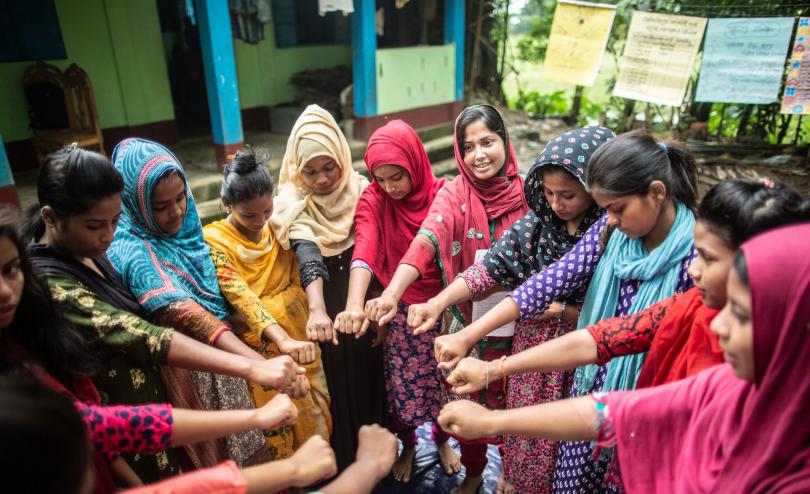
<point x="576" y="470"/>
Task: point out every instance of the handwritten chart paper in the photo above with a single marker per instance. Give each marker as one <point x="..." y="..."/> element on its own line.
<point x="659" y="57"/>
<point x="796" y="99"/>
<point x="577" y="42"/>
<point x="744" y="59"/>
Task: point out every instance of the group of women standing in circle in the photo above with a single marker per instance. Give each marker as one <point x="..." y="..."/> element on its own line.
<point x="382" y="302"/>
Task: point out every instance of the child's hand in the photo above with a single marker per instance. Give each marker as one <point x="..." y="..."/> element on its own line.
<point x="313" y="461"/>
<point x="422" y="317"/>
<point x="352" y="321"/>
<point x="377" y="447"/>
<point x="302" y="352"/>
<point x="279" y="372"/>
<point x="466" y="419"/>
<point x="382" y="309"/>
<point x="469" y="376"/>
<point x="450" y="348"/>
<point x="319" y="327"/>
<point x="278" y="411"/>
<point x="299" y="388"/>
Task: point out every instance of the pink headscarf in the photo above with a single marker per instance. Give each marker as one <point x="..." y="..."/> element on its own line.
<point x="384" y="227"/>
<point x="715" y="432"/>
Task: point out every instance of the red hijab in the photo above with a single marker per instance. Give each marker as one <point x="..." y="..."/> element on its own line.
<point x="684" y="343"/>
<point x="384" y="227"/>
<point x="459" y="220"/>
<point x="715" y="432"/>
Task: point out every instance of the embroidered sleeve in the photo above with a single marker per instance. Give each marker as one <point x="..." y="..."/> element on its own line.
<point x="310" y="262"/>
<point x="248" y="306"/>
<point x="563" y="277"/>
<point x="626" y="335"/>
<point x="420" y="254"/>
<point x="189" y="317"/>
<point x="478" y="279"/>
<point x="146" y="343"/>
<point x="143" y="429"/>
<point x="225" y="478"/>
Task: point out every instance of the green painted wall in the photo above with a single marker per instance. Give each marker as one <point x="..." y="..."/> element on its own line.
<point x="118" y="43"/>
<point x="264" y="71"/>
<point x="415" y="76"/>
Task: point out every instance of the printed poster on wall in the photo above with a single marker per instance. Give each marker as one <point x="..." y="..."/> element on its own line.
<point x="659" y="57"/>
<point x="796" y="99"/>
<point x="744" y="60"/>
<point x="579" y="34"/>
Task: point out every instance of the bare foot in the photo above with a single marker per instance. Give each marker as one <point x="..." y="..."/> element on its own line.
<point x="469" y="485"/>
<point x="403" y="465"/>
<point x="451" y="463"/>
<point x="504" y="487"/>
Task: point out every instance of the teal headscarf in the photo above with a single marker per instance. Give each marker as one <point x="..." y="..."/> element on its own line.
<point x="628" y="259"/>
<point x="157" y="267"/>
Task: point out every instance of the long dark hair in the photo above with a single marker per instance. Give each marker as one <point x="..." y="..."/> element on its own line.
<point x="246" y="177"/>
<point x="39" y="326"/>
<point x="38" y="427"/>
<point x="736" y="210"/>
<point x="628" y="164"/>
<point x="71" y="181"/>
<point x="488" y="114"/>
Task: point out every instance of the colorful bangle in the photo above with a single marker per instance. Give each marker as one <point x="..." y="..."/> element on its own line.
<point x="214" y="337"/>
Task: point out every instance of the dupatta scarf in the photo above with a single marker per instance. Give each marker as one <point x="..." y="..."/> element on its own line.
<point x="157" y="267"/>
<point x="385" y="227"/>
<point x="298" y="213"/>
<point x="730" y="434"/>
<point x="467" y="211"/>
<point x="542" y="237"/>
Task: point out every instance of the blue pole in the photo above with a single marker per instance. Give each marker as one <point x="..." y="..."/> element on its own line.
<point x="454" y="33"/>
<point x="364" y="59"/>
<point x="214" y="23"/>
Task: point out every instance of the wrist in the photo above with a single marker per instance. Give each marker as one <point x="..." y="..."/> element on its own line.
<point x="491" y="422"/>
<point x="244" y="367"/>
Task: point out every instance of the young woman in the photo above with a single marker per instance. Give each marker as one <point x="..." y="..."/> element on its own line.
<point x="674" y="331"/>
<point x="163" y="260"/>
<point x="32" y="415"/>
<point x="313" y="213"/>
<point x="483" y="201"/>
<point x="388" y="216"/>
<point x="79" y="196"/>
<point x="737" y="427"/>
<point x="561" y="212"/>
<point x="260" y="281"/>
<point x="648" y="191"/>
<point x="37" y="341"/>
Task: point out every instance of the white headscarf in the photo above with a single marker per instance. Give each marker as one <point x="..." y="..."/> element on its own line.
<point x="298" y="213"/>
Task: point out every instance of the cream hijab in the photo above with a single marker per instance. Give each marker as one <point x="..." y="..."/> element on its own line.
<point x="298" y="213"/>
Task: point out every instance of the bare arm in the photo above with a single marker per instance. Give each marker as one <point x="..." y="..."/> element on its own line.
<point x="565" y="420"/>
<point x="353" y="319"/>
<point x="186" y="353"/>
<point x="319" y="325"/>
<point x="194" y="426"/>
<point x="422" y="317"/>
<point x="376" y="452"/>
<point x="383" y="308"/>
<point x="566" y="352"/>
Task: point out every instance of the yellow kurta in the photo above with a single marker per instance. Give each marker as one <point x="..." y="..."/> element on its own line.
<point x="262" y="284"/>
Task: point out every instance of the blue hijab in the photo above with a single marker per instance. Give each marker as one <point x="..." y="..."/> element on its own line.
<point x="157" y="267"/>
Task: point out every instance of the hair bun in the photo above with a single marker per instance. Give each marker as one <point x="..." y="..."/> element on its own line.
<point x="243" y="162"/>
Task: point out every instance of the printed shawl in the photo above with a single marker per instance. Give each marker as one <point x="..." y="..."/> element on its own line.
<point x="541" y="237"/>
<point x="159" y="268"/>
<point x="384" y="227"/>
<point x="730" y="434"/>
